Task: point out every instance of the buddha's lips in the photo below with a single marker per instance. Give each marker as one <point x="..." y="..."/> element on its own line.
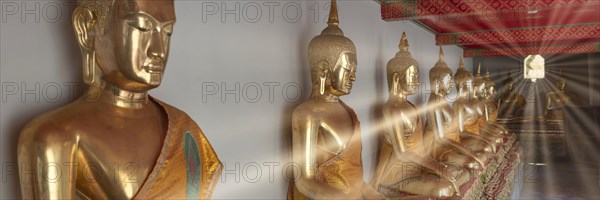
<point x="153" y="69"/>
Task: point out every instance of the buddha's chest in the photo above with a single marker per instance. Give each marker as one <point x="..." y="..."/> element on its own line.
<point x="113" y="161"/>
<point x="559" y="99"/>
<point x="408" y="118"/>
<point x="447" y="116"/>
<point x="335" y="133"/>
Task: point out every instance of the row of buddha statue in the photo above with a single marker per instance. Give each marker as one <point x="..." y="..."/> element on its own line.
<point x="125" y="45"/>
<point x="512" y="104"/>
<point x="450" y="148"/>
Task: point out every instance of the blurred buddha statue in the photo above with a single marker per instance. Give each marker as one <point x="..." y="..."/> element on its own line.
<point x="491" y="107"/>
<point x="481" y="102"/>
<point x="442" y="137"/>
<point x="557" y="99"/>
<point x="403" y="165"/>
<point x="326" y="139"/>
<point x="511" y="103"/>
<point x="117" y="142"/>
<point x="467" y="116"/>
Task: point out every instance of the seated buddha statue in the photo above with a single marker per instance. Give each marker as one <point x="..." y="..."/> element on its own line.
<point x="326" y="139"/>
<point x="491" y="107"/>
<point x="117" y="142"/>
<point x="441" y="136"/>
<point x="511" y="105"/>
<point x="557" y="99"/>
<point x="403" y="166"/>
<point x="480" y="101"/>
<point x="467" y="116"/>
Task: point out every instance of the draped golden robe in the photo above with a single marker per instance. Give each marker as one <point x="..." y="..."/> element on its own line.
<point x="446" y="153"/>
<point x="343" y="172"/>
<point x="395" y="178"/>
<point x="187" y="167"/>
<point x="390" y="169"/>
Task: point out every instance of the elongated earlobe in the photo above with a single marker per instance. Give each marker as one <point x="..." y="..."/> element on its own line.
<point x="83" y="24"/>
<point x="395" y="83"/>
<point x="322" y="80"/>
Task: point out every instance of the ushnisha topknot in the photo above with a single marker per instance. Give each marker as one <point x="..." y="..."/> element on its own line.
<point x="329" y="45"/>
<point x="462" y="75"/>
<point x="440" y="69"/>
<point x="402" y="61"/>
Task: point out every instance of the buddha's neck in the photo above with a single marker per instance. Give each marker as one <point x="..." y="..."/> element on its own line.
<point x="463" y="93"/>
<point x="118" y="97"/>
<point x="326" y="97"/>
<point x="397" y="97"/>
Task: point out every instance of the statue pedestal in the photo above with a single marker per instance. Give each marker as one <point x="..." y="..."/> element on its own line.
<point x="499" y="180"/>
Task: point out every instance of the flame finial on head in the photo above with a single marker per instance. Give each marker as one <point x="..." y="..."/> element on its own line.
<point x="441" y="53"/>
<point x="461" y="63"/>
<point x="333" y="22"/>
<point x="487" y="72"/>
<point x="333" y="14"/>
<point x="479" y="70"/>
<point x="404" y="42"/>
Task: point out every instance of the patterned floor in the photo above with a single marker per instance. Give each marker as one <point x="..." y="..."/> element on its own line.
<point x="561" y="179"/>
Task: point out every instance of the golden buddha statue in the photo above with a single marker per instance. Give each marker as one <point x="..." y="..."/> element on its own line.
<point x="511" y="105"/>
<point x="557" y="99"/>
<point x="467" y="116"/>
<point x="326" y="140"/>
<point x="491" y="107"/>
<point x="481" y="102"/>
<point x="117" y="142"/>
<point x="442" y="137"/>
<point x="403" y="165"/>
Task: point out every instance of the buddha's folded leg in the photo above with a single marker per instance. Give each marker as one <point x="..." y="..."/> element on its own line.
<point x="426" y="185"/>
<point x="498" y="139"/>
<point x="457" y="159"/>
<point x="482" y="149"/>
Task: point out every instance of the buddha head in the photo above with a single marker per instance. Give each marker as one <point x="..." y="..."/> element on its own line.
<point x="403" y="71"/>
<point x="463" y="79"/>
<point x="490" y="86"/>
<point x="124" y="42"/>
<point x="332" y="58"/>
<point x="509" y="83"/>
<point x="479" y="85"/>
<point x="440" y="76"/>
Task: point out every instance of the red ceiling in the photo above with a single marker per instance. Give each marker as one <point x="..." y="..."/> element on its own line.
<point x="489" y="24"/>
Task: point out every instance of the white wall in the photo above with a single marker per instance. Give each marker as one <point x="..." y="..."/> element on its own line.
<point x="216" y="50"/>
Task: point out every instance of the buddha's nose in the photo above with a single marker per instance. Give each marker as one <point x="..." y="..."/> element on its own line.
<point x="156" y="48"/>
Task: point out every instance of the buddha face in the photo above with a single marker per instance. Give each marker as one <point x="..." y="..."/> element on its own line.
<point x="343" y="74"/>
<point x="490" y="91"/>
<point x="446" y="84"/>
<point x="409" y="82"/>
<point x="132" y="49"/>
<point x="510" y="86"/>
<point x="479" y="90"/>
<point x="469" y="87"/>
<point x="561" y="84"/>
